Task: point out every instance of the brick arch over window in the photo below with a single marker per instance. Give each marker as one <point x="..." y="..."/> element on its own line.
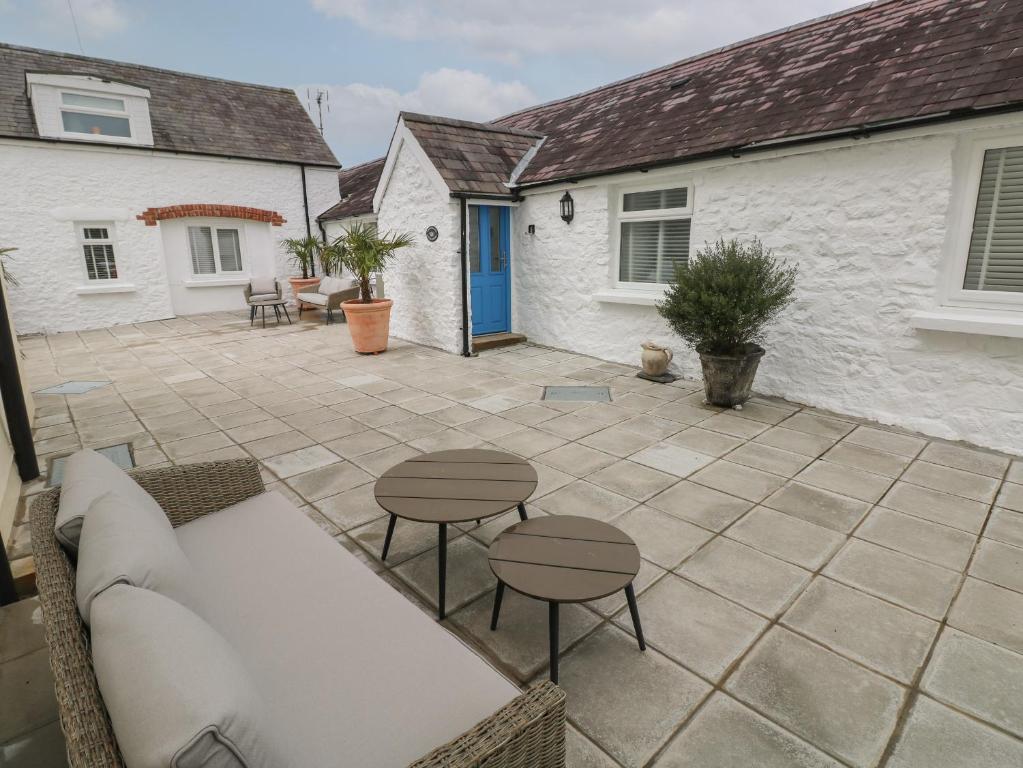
<point x="207" y="210"/>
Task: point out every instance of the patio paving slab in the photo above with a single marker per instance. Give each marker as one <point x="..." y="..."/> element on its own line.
<point x="704" y="506"/>
<point x="585" y="499"/>
<point x="1011" y="497"/>
<point x="892" y="442"/>
<point x="833" y="703"/>
<point x="576" y="459"/>
<point x="632" y="480"/>
<point x="938" y="544"/>
<point x="737" y="480"/>
<point x="818" y="425"/>
<point x="773" y="460"/>
<point x="671" y="459"/>
<point x="787" y="538"/>
<point x="968" y="459"/>
<point x="817" y="506"/>
<point x="989" y="612"/>
<point x="847" y="481"/>
<point x="704" y="441"/>
<point x="468" y="573"/>
<point x="299" y="461"/>
<point x="608" y="676"/>
<point x="944" y="508"/>
<point x="1005" y="526"/>
<point x="619" y="441"/>
<point x="999" y="563"/>
<point x="950" y="480"/>
<point x="580" y="752"/>
<point x="867" y="459"/>
<point x="725" y="734"/>
<point x="663" y="539"/>
<point x="612" y="604"/>
<point x="796" y="441"/>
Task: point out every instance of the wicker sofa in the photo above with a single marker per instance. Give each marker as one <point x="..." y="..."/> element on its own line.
<point x="527" y="731"/>
<point x="327" y="294"/>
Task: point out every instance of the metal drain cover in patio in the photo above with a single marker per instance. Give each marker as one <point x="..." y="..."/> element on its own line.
<point x="72" y="388"/>
<point x="120" y="454"/>
<point x="585" y="394"/>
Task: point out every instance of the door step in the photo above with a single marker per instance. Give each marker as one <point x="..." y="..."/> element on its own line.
<point x="495" y="340"/>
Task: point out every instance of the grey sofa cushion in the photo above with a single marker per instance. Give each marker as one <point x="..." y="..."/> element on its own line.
<point x="313" y="298"/>
<point x="177" y="693"/>
<point x="87" y="476"/>
<point x="351" y="671"/>
<point x="120" y="545"/>
<point x="329" y="285"/>
<point x="263" y="297"/>
<point x="262" y="285"/>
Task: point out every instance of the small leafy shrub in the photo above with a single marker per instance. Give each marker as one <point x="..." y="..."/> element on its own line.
<point x="722" y="299"/>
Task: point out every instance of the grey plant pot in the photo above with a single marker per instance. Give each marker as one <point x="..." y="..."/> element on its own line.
<point x="728" y="379"/>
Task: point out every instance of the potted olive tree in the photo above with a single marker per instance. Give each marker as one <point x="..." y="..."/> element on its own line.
<point x="303" y="252"/>
<point x="365" y="252"/>
<point x="720" y="303"/>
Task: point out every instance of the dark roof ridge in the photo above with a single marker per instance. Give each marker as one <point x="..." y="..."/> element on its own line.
<point x="360" y="165"/>
<point x="117" y="62"/>
<point x="418" y="117"/>
<point x="697" y="57"/>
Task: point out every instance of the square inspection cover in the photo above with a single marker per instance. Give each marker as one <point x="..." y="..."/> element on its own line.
<point x="72" y="388"/>
<point x="120" y="454"/>
<point x="578" y="394"/>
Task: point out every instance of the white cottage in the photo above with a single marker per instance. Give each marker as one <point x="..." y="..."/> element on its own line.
<point x="880" y="149"/>
<point x="135" y="193"/>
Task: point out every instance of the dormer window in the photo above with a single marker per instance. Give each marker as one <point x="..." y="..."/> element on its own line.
<point x="94" y="115"/>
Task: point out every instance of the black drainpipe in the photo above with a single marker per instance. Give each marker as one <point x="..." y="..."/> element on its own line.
<point x="19" y="428"/>
<point x="305" y="207"/>
<point x="464" y="210"/>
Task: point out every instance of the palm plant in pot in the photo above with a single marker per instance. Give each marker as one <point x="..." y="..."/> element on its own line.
<point x="720" y="303"/>
<point x="303" y="252"/>
<point x="364" y="252"/>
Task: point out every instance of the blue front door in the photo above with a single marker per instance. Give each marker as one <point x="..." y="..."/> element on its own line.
<point x="489" y="256"/>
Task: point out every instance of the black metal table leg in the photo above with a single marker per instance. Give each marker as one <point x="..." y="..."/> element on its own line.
<point x="277" y="314"/>
<point x="252" y="314"/>
<point x="522" y="511"/>
<point x="442" y="567"/>
<point x="263" y="313"/>
<point x="630" y="595"/>
<point x="387" y="538"/>
<point x="497" y="605"/>
<point x="552" y="621"/>
<point x="285" y="308"/>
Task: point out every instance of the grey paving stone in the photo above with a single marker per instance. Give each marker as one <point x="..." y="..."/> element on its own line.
<point x="577" y="460"/>
<point x="770" y="413"/>
<point x="968" y="459"/>
<point x="818" y="425"/>
<point x="360" y="443"/>
<point x="610" y="605"/>
<point x="844" y="480"/>
<point x="951" y="480"/>
<point x="468" y="572"/>
<point x="904" y="580"/>
<point x="831" y="702"/>
<point x="607" y="675"/>
<point x="1005" y="526"/>
<point x="378" y="462"/>
<point x="760" y="582"/>
<point x="892" y="442"/>
<point x="580" y="752"/>
<point x="586" y="499"/>
<point x="920" y="538"/>
<point x="376" y="418"/>
<point x="672" y="459"/>
<point x="454" y="415"/>
<point x="490" y="427"/>
<point x="619" y="441"/>
<point x="773" y="460"/>
<point x="725" y="734"/>
<point x="737" y="480"/>
<point x="351" y="508"/>
<point x="180" y="449"/>
<point x="1011" y="497"/>
<point x="21" y="629"/>
<point x="410" y="539"/>
<point x="549" y="479"/>
<point x="328" y="481"/>
<point x="278" y="444"/>
<point x="448" y="440"/>
<point x="632" y="480"/>
<point x="936" y="737"/>
<point x="888" y="639"/>
<point x="696" y="628"/>
<point x="701" y="505"/>
<point x="958" y="512"/>
<point x="652" y="425"/>
<point x="662" y="538"/>
<point x="412" y="429"/>
<point x="682" y="413"/>
<point x="817" y="506"/>
<point x="528" y="442"/>
<point x="732" y="424"/>
<point x="704" y="441"/>
<point x="286" y="465"/>
<point x="27" y="698"/>
<point x="867" y="459"/>
<point x="796" y="441"/>
<point x="977" y="677"/>
<point x="999" y="563"/>
<point x="333" y="428"/>
<point x="42" y="748"/>
<point x="1015" y="474"/>
<point x="787" y="537"/>
<point x="571" y="426"/>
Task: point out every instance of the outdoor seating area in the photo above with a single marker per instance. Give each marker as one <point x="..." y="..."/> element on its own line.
<point x="811" y="589"/>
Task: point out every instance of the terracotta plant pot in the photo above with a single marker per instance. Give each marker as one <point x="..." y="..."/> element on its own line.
<point x="728" y="379"/>
<point x="298" y="285"/>
<point x="369" y="324"/>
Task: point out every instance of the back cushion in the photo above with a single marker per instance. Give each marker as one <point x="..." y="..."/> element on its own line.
<point x="263" y="285"/>
<point x="121" y="545"/>
<point x="87" y="476"/>
<point x="330" y="285"/>
<point x="177" y="693"/>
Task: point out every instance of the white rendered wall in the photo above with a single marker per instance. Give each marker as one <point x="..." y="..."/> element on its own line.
<point x="866" y="223"/>
<point x="52" y="187"/>
<point x="423" y="280"/>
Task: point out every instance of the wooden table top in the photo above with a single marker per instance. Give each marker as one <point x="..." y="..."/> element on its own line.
<point x="564" y="558"/>
<point x="455" y="486"/>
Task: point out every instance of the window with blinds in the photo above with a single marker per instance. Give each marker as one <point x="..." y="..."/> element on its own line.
<point x="654" y="234"/>
<point x="214" y="250"/>
<point x="98" y="249"/>
<point x="995" y="258"/>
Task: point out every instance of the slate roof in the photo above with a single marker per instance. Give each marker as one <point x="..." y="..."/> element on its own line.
<point x="888" y="61"/>
<point x="189" y="113"/>
<point x="358" y="184"/>
<point x="475" y="158"/>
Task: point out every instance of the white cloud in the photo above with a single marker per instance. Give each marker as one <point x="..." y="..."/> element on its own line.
<point x="362" y="117"/>
<point x="96" y="18"/>
<point x="650" y="31"/>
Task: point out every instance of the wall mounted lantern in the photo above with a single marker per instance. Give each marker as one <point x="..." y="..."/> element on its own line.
<point x="567" y="208"/>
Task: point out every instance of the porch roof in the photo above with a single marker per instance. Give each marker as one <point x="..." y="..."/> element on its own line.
<point x="357" y="185"/>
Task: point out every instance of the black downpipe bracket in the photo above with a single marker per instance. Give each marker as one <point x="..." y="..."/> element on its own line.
<point x="464" y="253"/>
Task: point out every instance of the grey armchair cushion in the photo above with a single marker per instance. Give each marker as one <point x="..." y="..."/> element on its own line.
<point x="329" y="285"/>
<point x="123" y="545"/>
<point x="263" y="285"/>
<point x="177" y="693"/>
<point x="263" y="297"/>
<point x="87" y="476"/>
<point x="313" y="298"/>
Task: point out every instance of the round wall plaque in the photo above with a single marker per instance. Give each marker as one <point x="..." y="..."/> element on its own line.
<point x="432" y="234"/>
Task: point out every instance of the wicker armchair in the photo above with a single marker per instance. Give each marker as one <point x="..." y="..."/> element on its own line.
<point x="529" y="732"/>
<point x="331" y="302"/>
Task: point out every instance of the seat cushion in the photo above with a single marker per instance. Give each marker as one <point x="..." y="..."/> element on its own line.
<point x="263" y="297"/>
<point x="313" y="298"/>
<point x="263" y="285"/>
<point x="352" y="671"/>
<point x="178" y="694"/>
<point x="120" y="545"/>
<point x="87" y="476"/>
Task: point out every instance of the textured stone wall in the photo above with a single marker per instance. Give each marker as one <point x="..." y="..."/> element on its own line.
<point x="865" y="223"/>
<point x="51" y="187"/>
<point x="423" y="280"/>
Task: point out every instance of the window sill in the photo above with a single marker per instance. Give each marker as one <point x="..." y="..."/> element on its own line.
<point x="217" y="282"/>
<point x="114" y="288"/>
<point x="628" y="296"/>
<point x="966" y="320"/>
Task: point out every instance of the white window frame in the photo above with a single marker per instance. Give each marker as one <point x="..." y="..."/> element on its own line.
<point x="952" y="293"/>
<point x="214" y="225"/>
<point x="662" y="214"/>
<point x="122" y="113"/>
<point x="111" y="240"/>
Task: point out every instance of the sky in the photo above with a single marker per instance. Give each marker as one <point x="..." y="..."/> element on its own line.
<point x="473" y="60"/>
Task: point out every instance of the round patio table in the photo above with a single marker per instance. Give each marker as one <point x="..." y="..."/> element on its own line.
<point x="565" y="559"/>
<point x="453" y="487"/>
